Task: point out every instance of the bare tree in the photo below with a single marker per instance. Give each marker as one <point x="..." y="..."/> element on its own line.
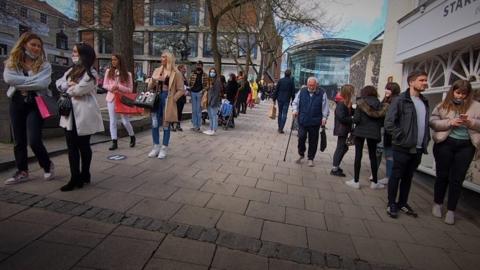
<point x="123" y="26"/>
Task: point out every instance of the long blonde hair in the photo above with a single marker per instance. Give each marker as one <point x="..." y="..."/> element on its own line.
<point x="347" y="91"/>
<point x="170" y="62"/>
<point x="16" y="59"/>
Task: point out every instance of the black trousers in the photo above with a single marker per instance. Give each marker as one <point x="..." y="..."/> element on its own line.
<point x="372" y="154"/>
<point x="27" y="126"/>
<point x="180" y="104"/>
<point x="404" y="165"/>
<point x="340" y="150"/>
<point x="452" y="160"/>
<point x="311" y="133"/>
<point x="78" y="150"/>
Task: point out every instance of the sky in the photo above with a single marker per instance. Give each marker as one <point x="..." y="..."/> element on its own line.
<point x="355" y="19"/>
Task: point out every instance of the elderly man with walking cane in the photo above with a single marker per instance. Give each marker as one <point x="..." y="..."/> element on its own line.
<point x="310" y="108"/>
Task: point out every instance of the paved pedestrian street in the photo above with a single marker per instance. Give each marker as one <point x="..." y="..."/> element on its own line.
<point x="222" y="202"/>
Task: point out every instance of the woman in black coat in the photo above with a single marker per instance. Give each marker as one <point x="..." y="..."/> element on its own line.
<point x="368" y="120"/>
<point x="342" y="126"/>
<point x="232" y="90"/>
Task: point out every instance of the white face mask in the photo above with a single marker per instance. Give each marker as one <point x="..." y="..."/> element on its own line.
<point x="30" y="55"/>
<point x="75" y="59"/>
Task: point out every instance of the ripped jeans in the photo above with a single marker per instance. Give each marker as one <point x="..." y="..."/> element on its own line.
<point x="157" y="122"/>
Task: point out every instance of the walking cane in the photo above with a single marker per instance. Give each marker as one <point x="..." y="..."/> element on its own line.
<point x="289" y="136"/>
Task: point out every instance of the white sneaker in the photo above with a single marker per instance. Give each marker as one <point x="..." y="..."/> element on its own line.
<point x="437" y="210"/>
<point x="376" y="185"/>
<point x="155" y="151"/>
<point x="450" y="217"/>
<point x="163" y="152"/>
<point x="383" y="181"/>
<point x="209" y="132"/>
<point x="51" y="174"/>
<point x="353" y="184"/>
<point x="299" y="160"/>
<point x="310" y="163"/>
<point x="18" y="177"/>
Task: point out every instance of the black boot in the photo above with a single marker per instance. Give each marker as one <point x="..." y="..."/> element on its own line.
<point x="85" y="178"/>
<point x="172" y="127"/>
<point x="114" y="145"/>
<point x="132" y="141"/>
<point x="179" y="128"/>
<point x="69" y="186"/>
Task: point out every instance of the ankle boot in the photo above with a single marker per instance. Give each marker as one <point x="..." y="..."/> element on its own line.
<point x="132" y="141"/>
<point x="69" y="186"/>
<point x="114" y="145"/>
<point x="179" y="128"/>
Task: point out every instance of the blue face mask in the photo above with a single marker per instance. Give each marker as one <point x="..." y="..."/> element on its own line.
<point x="213" y="74"/>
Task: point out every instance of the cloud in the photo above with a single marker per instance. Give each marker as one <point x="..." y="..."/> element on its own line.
<point x="307" y="36"/>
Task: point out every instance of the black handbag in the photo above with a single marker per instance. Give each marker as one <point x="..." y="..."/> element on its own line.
<point x="323" y="139"/>
<point x="64" y="105"/>
<point x="147" y="99"/>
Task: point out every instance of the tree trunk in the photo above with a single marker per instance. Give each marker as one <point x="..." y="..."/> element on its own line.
<point x="217" y="57"/>
<point x="122" y="31"/>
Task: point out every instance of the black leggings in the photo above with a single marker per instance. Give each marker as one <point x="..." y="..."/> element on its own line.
<point x="78" y="148"/>
<point x="180" y="104"/>
<point x="340" y="151"/>
<point x="372" y="154"/>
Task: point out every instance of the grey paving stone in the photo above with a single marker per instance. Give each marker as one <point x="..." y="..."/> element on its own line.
<point x="168" y="227"/>
<point x="240" y="224"/>
<point x="197" y="216"/>
<point x="388" y="231"/>
<point x="241" y="180"/>
<point x="296" y="254"/>
<point x="67" y="207"/>
<point x="103" y="215"/>
<point x="331" y="242"/>
<point x="422" y="257"/>
<point x="282" y="199"/>
<point x="124" y="170"/>
<point x="431" y="237"/>
<point x="363" y="212"/>
<point x="157" y="209"/>
<point x="465" y="260"/>
<point x="93" y="211"/>
<point x="80" y="195"/>
<point x="190" y="196"/>
<point x="305" y="218"/>
<point x="238" y="242"/>
<point x="209" y="235"/>
<point x="74" y="237"/>
<point x="237" y="260"/>
<point x="140" y="234"/>
<point x="318" y="258"/>
<point x="253" y="194"/>
<point x="289" y="265"/>
<point x="114" y="200"/>
<point x="79" y="210"/>
<point x="284" y="233"/>
<point x="467" y="242"/>
<point x="249" y="164"/>
<point x="17" y="234"/>
<point x="155" y="190"/>
<point x="379" y="251"/>
<point x="266" y="175"/>
<point x="44" y="203"/>
<point x="162" y="264"/>
<point x="119" y="253"/>
<point x="269" y="249"/>
<point x="142" y="223"/>
<point x="352" y="226"/>
<point x="211" y="175"/>
<point x="9" y="209"/>
<point x="228" y="203"/>
<point x="219" y="188"/>
<point x="186" y="250"/>
<point x="302" y="191"/>
<point x="83" y="224"/>
<point x="44" y="255"/>
<point x="187" y="182"/>
<point x="181" y="231"/>
<point x="32" y="200"/>
<point x="195" y="232"/>
<point x="333" y="261"/>
<point x="272" y="186"/>
<point x="266" y="211"/>
<point x="115" y="218"/>
<point x="232" y="170"/>
<point x="41" y="216"/>
<point x="129" y="220"/>
<point x="20" y="197"/>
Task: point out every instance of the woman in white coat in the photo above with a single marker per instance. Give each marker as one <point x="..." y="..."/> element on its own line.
<point x="79" y="83"/>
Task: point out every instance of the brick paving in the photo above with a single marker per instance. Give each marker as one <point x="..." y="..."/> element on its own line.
<point x="222" y="202"/>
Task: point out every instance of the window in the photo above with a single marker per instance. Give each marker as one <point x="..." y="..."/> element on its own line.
<point x="105" y="42"/>
<point x="62" y="41"/>
<point x="172" y="41"/>
<point x="60" y="60"/>
<point x="138" y="43"/>
<point x="3" y="49"/>
<point x="22" y="29"/>
<point x="227" y="48"/>
<point x="169" y="12"/>
<point x="23" y="12"/>
<point x="43" y="18"/>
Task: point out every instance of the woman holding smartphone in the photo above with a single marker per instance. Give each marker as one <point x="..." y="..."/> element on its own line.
<point x="456" y="126"/>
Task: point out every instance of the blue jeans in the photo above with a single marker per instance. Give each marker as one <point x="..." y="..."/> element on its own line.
<point x="213" y="117"/>
<point x="196" y="109"/>
<point x="157" y="121"/>
<point x="282" y="114"/>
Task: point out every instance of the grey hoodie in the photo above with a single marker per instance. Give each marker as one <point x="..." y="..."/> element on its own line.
<point x="33" y="82"/>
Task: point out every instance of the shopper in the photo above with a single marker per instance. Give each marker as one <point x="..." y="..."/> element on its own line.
<point x="243" y="92"/>
<point x="343" y="126"/>
<point x="311" y="107"/>
<point x="118" y="80"/>
<point x="407" y="122"/>
<point x="368" y="120"/>
<point x="214" y="100"/>
<point x="79" y="83"/>
<point x="28" y="75"/>
<point x="168" y="82"/>
<point x="182" y="100"/>
<point x="456" y="131"/>
<point x="283" y="94"/>
<point x="198" y="83"/>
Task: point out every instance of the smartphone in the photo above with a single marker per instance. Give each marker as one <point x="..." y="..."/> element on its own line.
<point x="463" y="116"/>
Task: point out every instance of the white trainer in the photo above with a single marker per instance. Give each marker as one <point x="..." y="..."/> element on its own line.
<point x="209" y="132"/>
<point x="437" y="210"/>
<point x="376" y="185"/>
<point x="18" y="177"/>
<point x="51" y="174"/>
<point x="450" y="217"/>
<point x="163" y="152"/>
<point x="353" y="184"/>
<point x="155" y="151"/>
<point x="383" y="181"/>
<point x="310" y="163"/>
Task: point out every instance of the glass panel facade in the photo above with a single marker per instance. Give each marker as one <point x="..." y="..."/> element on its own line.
<point x="224" y="45"/>
<point x="170" y="12"/>
<point x="105" y="42"/>
<point x="138" y="43"/>
<point x="172" y="41"/>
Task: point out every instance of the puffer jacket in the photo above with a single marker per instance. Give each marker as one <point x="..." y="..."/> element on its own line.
<point x="368" y="118"/>
<point x="343" y="118"/>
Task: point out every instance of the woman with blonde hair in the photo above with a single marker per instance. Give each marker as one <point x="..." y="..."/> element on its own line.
<point x="28" y="75"/>
<point x="342" y="126"/>
<point x="456" y="133"/>
<point x="168" y="82"/>
<point x="117" y="80"/>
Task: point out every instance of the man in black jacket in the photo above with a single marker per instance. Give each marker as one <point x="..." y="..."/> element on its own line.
<point x="407" y="122"/>
<point x="283" y="94"/>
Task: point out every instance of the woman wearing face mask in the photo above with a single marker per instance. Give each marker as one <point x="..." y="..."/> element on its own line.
<point x="168" y="82"/>
<point x="28" y="75"/>
<point x="456" y="132"/>
<point x="118" y="79"/>
<point x="214" y="90"/>
<point x="79" y="83"/>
